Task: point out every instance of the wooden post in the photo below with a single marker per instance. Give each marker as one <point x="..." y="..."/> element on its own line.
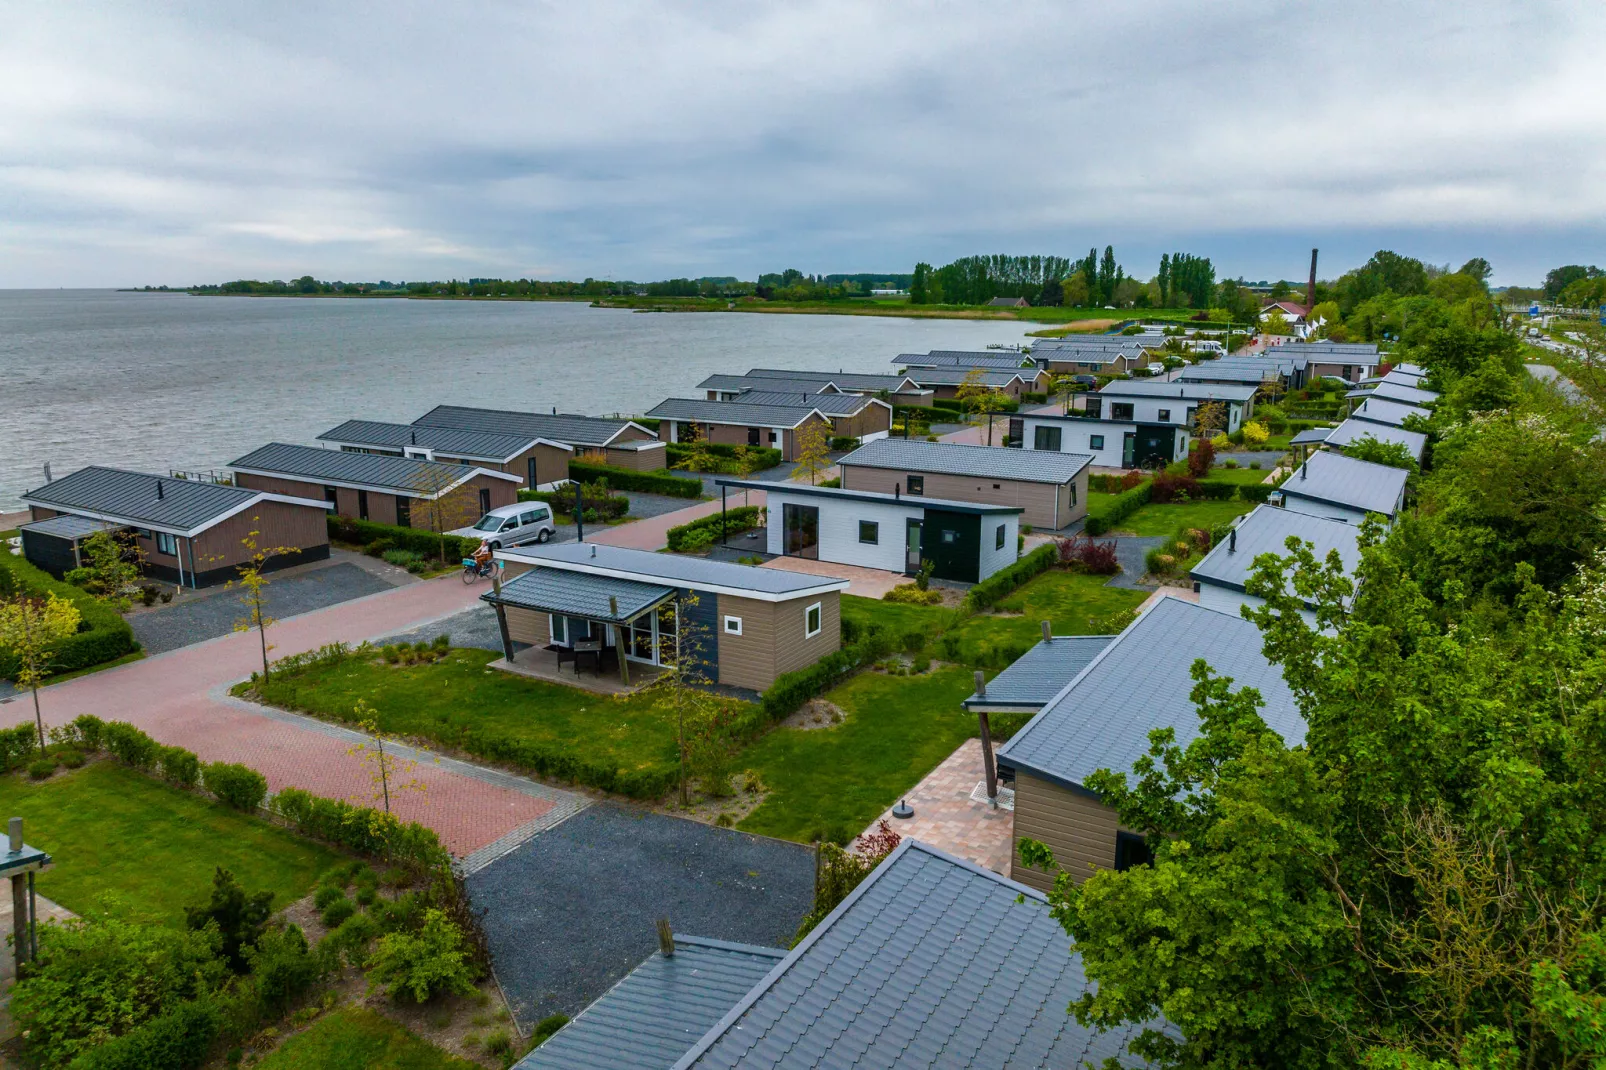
<point x="619" y="641"/>
<point x="501" y="614"/>
<point x="19" y="901"/>
<point x="579" y="518"/>
<point x="666" y="938"/>
<point x="988" y="764"/>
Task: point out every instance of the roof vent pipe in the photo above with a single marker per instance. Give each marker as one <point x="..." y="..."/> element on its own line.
<point x="159" y="493"/>
<point x="593" y="549"/>
<point x="1302" y="469"/>
<point x="897" y="491"/>
<point x="981" y="684"/>
<point x="666" y="938"/>
<point x="1048" y="633"/>
<point x="1232" y="542"/>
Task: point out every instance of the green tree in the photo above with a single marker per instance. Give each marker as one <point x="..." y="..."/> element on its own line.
<point x="813" y="449"/>
<point x="114" y="565"/>
<point x="1558" y="279"/>
<point x="979" y="399"/>
<point x="237" y="916"/>
<point x="1476" y="268"/>
<point x="253" y="583"/>
<point x="919" y="289"/>
<point x="433" y="960"/>
<point x="1075" y="292"/>
<point x="33" y="629"/>
<point x="1393" y="454"/>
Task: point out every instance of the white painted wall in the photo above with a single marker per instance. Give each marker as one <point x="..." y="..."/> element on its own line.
<point x="1325" y="510"/>
<point x="1076" y="437"/>
<point x="839" y="529"/>
<point x="1147" y="410"/>
<point x="1227" y="600"/>
<point x="992" y="558"/>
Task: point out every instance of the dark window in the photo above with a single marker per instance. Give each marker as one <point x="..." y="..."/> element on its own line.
<point x="774" y="438"/>
<point x="1120" y="410"/>
<point x="332" y="496"/>
<point x="1095" y="442"/>
<point x="1093" y="406"/>
<point x="752" y="436"/>
<point x="362" y="505"/>
<point x="485" y="500"/>
<point x="1131" y="850"/>
<point x="166" y="544"/>
<point x="404" y="512"/>
<point x="915" y="485"/>
<point x="1046" y="438"/>
<point x="869" y="531"/>
<point x="530" y="477"/>
<point x="1165" y="415"/>
<point x="950" y="537"/>
<point x="998" y="541"/>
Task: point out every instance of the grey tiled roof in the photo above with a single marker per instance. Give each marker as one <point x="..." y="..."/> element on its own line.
<point x="1040" y="345"/>
<point x="1405" y="368"/>
<point x="1183" y="391"/>
<point x="702" y="411"/>
<point x="1311" y="435"/>
<point x="671" y="569"/>
<point x="577" y="594"/>
<point x="1332" y="477"/>
<point x="1266" y="531"/>
<point x="930" y="962"/>
<point x="1214" y="371"/>
<point x="68" y="526"/>
<point x="1348" y="349"/>
<point x="845" y="380"/>
<point x="393" y="475"/>
<point x="1141" y="682"/>
<point x="1403" y="378"/>
<point x="131" y="497"/>
<point x="1042" y="672"/>
<point x="1405" y="395"/>
<point x="795" y="387"/>
<point x="1084" y="355"/>
<point x="453" y="441"/>
<point x="957" y="459"/>
<point x="917" y="501"/>
<point x="953" y="375"/>
<point x="559" y="427"/>
<point x="1355" y="430"/>
<point x="830" y="404"/>
<point x="954" y="358"/>
<point x="660" y="1009"/>
<point x="1384" y="411"/>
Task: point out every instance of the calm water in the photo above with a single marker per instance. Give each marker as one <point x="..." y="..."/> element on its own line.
<point x="159" y="381"/>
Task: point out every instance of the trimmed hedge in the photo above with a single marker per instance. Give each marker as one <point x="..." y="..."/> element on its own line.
<point x="607" y="506"/>
<point x="1007" y="581"/>
<point x="645" y="482"/>
<point x="103" y="633"/>
<point x="706" y="530"/>
<point x="19" y="745"/>
<point x="177" y="1040"/>
<point x="1125" y="504"/>
<point x="844" y="442"/>
<point x="758" y="457"/>
<point x="359" y="828"/>
<point x="237" y="785"/>
<point x="425" y="543"/>
<point x="790" y="690"/>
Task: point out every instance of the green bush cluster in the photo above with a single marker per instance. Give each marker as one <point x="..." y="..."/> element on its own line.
<point x="1007" y="581"/>
<point x="645" y="482"/>
<point x="18" y="746"/>
<point x="376" y="539"/>
<point x="410" y="560"/>
<point x="103" y="634"/>
<point x="791" y="690"/>
<point x="236" y="785"/>
<point x="1124" y="505"/>
<point x="597" y="500"/>
<point x="176" y="1040"/>
<point x="1113" y="484"/>
<point x="360" y="829"/>
<point x="840" y="443"/>
<point x="707" y="530"/>
<point x="727" y="459"/>
<point x="420" y="653"/>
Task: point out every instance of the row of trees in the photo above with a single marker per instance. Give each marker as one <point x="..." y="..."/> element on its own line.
<point x="976" y="280"/>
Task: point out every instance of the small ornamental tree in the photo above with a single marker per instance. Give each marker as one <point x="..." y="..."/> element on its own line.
<point x="253" y="584"/>
<point x="433" y="960"/>
<point x="813" y="450"/>
<point x="33" y="629"/>
<point x="980" y="399"/>
<point x="114" y="562"/>
<point x="386" y="771"/>
<point x="239" y="916"/>
<point x="446" y="500"/>
<point x="1209" y="418"/>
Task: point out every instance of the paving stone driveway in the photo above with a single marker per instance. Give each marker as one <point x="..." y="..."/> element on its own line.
<point x="572" y="910"/>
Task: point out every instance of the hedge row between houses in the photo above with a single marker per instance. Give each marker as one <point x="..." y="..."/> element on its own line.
<point x="103" y="635"/>
<point x="1118" y="509"/>
<point x="627" y="479"/>
<point x="425" y="543"/>
<point x="706" y="530"/>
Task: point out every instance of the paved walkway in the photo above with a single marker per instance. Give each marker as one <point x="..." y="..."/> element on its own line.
<point x="865" y="582"/>
<point x="180" y="698"/>
<point x="947" y="817"/>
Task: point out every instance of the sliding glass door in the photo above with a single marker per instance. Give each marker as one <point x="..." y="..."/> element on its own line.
<point x="800" y="526"/>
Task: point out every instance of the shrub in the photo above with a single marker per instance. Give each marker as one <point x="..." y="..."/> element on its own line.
<point x="72" y="759"/>
<point x="103" y="634"/>
<point x="791" y="690"/>
<point x="1124" y="505"/>
<point x="236" y="785"/>
<point x="1168" y="488"/>
<point x="546" y="1027"/>
<point x="378" y="538"/>
<point x="41" y="768"/>
<point x="721" y="458"/>
<point x="180" y="766"/>
<point x="844" y="442"/>
<point x="911" y="594"/>
<point x="1006" y="581"/>
<point x="130" y="745"/>
<point x="337" y="912"/>
<point x="239" y="916"/>
<point x="177" y="1040"/>
<point x="1255" y="432"/>
<point x="609" y="506"/>
<point x="1159" y="562"/>
<point x="1272" y="417"/>
<point x="422" y="964"/>
<point x="360" y="828"/>
<point x="1089" y="555"/>
<point x="1200" y="460"/>
<point x="19" y="744"/>
<point x="348" y="943"/>
<point x="87" y="729"/>
<point x="403" y="558"/>
<point x="646" y="482"/>
<point x="326" y="895"/>
<point x="282" y="967"/>
<point x="705" y="530"/>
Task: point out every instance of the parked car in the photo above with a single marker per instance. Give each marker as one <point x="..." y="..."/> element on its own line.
<point x="513" y="525"/>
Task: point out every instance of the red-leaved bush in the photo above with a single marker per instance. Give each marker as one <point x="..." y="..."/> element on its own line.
<point x="1093" y="556"/>
<point x="1170" y="488"/>
<point x="878" y="843"/>
<point x="1200" y="460"/>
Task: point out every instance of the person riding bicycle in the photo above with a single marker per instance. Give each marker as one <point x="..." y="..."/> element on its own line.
<point x="483" y="558"/>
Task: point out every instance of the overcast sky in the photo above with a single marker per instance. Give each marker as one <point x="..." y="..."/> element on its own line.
<point x="169" y="143"/>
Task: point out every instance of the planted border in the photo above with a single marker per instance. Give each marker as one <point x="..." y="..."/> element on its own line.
<point x="645" y="482"/>
<point x="105" y="637"/>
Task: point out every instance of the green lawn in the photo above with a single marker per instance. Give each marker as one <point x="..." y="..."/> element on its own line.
<point x="1243" y="474"/>
<point x="1074" y="602"/>
<point x="896" y="617"/>
<point x="115" y="831"/>
<point x="1166" y="519"/>
<point x="355" y="1038"/>
<point x="831" y="782"/>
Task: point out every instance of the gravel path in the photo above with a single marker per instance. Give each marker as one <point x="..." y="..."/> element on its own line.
<point x="471" y="628"/>
<point x="190" y="621"/>
<point x="1130" y="551"/>
<point x="572" y="910"/>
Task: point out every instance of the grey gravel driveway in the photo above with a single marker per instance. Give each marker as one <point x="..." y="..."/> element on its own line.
<point x="572" y="910"/>
<point x="194" y="619"/>
<point x="474" y="627"/>
<point x="1130" y="550"/>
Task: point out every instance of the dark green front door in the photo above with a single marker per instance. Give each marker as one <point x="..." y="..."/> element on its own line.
<point x="952" y="543"/>
<point x="1155" y="444"/>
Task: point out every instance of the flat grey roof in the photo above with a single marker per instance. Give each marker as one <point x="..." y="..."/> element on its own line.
<point x="1403" y="378"/>
<point x="1355" y="430"/>
<point x="1085" y="355"/>
<point x="1112" y="340"/>
<point x="737" y="383"/>
<point x="1387" y="391"/>
<point x="184" y="506"/>
<point x="1138" y="388"/>
<point x="1266" y="530"/>
<point x="1332" y="477"/>
<point x="478" y="445"/>
<point x="988" y="358"/>
<point x="830" y="404"/>
<point x="702" y="411"/>
<point x="578" y="594"/>
<point x="913" y="501"/>
<point x="70" y="527"/>
<point x="659" y="1010"/>
<point x="1406" y="368"/>
<point x="930" y="962"/>
<point x="953" y="375"/>
<point x="1383" y="411"/>
<point x="405" y="476"/>
<point x="1141" y="682"/>
<point x="766" y="584"/>
<point x="1035" y="677"/>
<point x="845" y="380"/>
<point x="559" y="427"/>
<point x="1354" y="349"/>
<point x="957" y="459"/>
<point x="1311" y="435"/>
<point x="1214" y="371"/>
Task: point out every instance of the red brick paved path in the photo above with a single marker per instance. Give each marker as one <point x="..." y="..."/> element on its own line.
<point x="180" y="698"/>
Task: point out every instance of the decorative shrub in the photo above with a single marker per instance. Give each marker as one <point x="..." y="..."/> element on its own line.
<point x="360" y="828"/>
<point x="910" y="594"/>
<point x="1006" y="581"/>
<point x="626" y="479"/>
<point x="236" y="785"/>
<point x="18" y="745"/>
<point x="406" y="559"/>
<point x="422" y="964"/>
<point x="844" y="442"/>
<point x="1168" y="488"/>
<point x="1089" y="555"/>
<point x="180" y="766"/>
<point x="282" y="967"/>
<point x="791" y="690"/>
<point x="103" y="633"/>
<point x="238" y="915"/>
<point x="722" y="458"/>
<point x="1255" y="433"/>
<point x="177" y="1040"/>
<point x="326" y="895"/>
<point x="597" y="498"/>
<point x="706" y="530"/>
<point x="41" y="768"/>
<point x="337" y="912"/>
<point x="1122" y="506"/>
<point x="72" y="759"/>
<point x="1200" y="460"/>
<point x="378" y="538"/>
<point x="129" y="745"/>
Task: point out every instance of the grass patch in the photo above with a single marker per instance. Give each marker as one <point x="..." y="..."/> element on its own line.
<point x="1165" y="519"/>
<point x="896" y="617"/>
<point x="1076" y="603"/>
<point x="1242" y="475"/>
<point x="113" y="830"/>
<point x="830" y="783"/>
<point x="354" y="1038"/>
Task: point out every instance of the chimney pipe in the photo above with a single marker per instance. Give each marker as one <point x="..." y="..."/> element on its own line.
<point x="1302" y="469"/>
<point x="1048" y="633"/>
<point x="981" y="684"/>
<point x="613" y="601"/>
<point x="47" y="472"/>
<point x="1232" y="542"/>
<point x="666" y="938"/>
<point x="1310" y="290"/>
<point x="159" y="493"/>
<point x="897" y="491"/>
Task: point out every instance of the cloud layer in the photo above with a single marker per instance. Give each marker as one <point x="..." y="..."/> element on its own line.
<point x="642" y="141"/>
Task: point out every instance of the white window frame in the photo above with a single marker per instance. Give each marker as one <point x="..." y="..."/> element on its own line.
<point x="552" y="622"/>
<point x="814" y="608"/>
<point x="163" y="541"/>
<point x="729" y="630"/>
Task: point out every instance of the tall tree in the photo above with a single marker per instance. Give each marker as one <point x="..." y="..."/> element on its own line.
<point x="33" y="629"/>
<point x="1163" y="280"/>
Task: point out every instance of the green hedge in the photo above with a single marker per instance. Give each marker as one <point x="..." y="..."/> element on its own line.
<point x="19" y="745"/>
<point x="177" y="1040"/>
<point x="1124" y="505"/>
<point x="844" y="442"/>
<point x="1006" y="581"/>
<point x="645" y="482"/>
<point x="758" y="458"/>
<point x="359" y="828"/>
<point x="425" y="543"/>
<point x="605" y="505"/>
<point x="790" y="690"/>
<point x="103" y="634"/>
<point x="706" y="530"/>
<point x="239" y="786"/>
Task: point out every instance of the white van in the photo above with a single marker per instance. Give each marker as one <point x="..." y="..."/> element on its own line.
<point x="513" y="525"/>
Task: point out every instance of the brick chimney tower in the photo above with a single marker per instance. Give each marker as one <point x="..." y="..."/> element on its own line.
<point x="1310" y="290"/>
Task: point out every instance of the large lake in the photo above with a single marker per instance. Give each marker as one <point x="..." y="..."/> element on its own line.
<point x="160" y="381"/>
